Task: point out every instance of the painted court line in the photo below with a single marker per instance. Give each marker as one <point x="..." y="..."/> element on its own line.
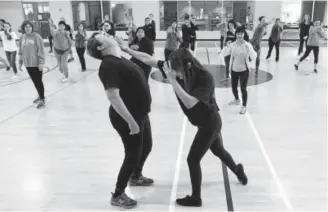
<point x="174" y="189"/>
<point x="280" y="186"/>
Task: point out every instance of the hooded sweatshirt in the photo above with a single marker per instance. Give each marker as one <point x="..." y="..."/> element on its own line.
<point x="315" y="33"/>
<point x="62" y="40"/>
<point x="31" y="50"/>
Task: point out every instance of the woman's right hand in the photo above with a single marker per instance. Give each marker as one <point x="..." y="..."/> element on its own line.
<point x="134" y="128"/>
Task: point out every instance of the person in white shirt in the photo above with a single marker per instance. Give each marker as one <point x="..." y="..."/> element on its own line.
<point x="2" y="60"/>
<point x="241" y="53"/>
<point x="9" y="45"/>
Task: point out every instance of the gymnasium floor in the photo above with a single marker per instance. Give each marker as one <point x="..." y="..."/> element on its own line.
<point x="66" y="157"/>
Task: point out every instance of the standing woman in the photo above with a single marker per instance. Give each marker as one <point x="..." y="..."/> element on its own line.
<point x="195" y="91"/>
<point x="229" y="38"/>
<point x="304" y="32"/>
<point x="193" y="36"/>
<point x="313" y="43"/>
<point x="274" y="39"/>
<point x="31" y="54"/>
<point x="108" y="27"/>
<point x="50" y="38"/>
<point x="9" y="45"/>
<point x="131" y="33"/>
<point x="242" y="53"/>
<point x="2" y="22"/>
<point x="142" y="44"/>
<point x="223" y="32"/>
<point x="62" y="46"/>
<point x="80" y="39"/>
<point x="186" y="33"/>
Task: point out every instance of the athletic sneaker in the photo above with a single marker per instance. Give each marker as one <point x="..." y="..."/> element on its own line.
<point x="41" y="104"/>
<point x="141" y="181"/>
<point x="36" y="100"/>
<point x="70" y="59"/>
<point x="242" y="110"/>
<point x="64" y="80"/>
<point x="234" y="102"/>
<point x="14" y="77"/>
<point x="123" y="201"/>
<point x="8" y="68"/>
<point x="315" y="71"/>
<point x="241" y="175"/>
<point x="256" y="73"/>
<point x="190" y="201"/>
<point x="296" y="67"/>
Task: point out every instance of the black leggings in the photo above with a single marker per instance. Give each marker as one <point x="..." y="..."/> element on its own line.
<point x="221" y="41"/>
<point x="137" y="148"/>
<point x="302" y="42"/>
<point x="243" y="77"/>
<point x="80" y="53"/>
<point x="167" y="53"/>
<point x="11" y="57"/>
<point x="227" y="63"/>
<point x="207" y="138"/>
<point x="50" y="38"/>
<point x="192" y="44"/>
<point x="271" y="44"/>
<point x="36" y="77"/>
<point x="308" y="51"/>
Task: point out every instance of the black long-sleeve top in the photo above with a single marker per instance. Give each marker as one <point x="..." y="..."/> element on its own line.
<point x="150" y="32"/>
<point x="304" y="29"/>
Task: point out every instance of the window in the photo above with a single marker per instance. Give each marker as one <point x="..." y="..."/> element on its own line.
<point x="93" y="13"/>
<point x="207" y="14"/>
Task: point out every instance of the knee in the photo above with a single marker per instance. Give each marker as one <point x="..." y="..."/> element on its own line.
<point x="192" y="160"/>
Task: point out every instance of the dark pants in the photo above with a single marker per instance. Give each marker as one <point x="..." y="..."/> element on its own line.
<point x="80" y="53"/>
<point x="302" y="42"/>
<point x="192" y="43"/>
<point x="207" y="138"/>
<point x="167" y="53"/>
<point x="11" y="57"/>
<point x="308" y="51"/>
<point x="227" y="62"/>
<point x="137" y="147"/>
<point x="36" y="77"/>
<point x="221" y="41"/>
<point x="50" y="38"/>
<point x="276" y="45"/>
<point x="243" y="77"/>
<point x="257" y="49"/>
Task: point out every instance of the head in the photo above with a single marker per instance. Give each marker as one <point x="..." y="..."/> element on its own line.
<point x="62" y="25"/>
<point x="262" y="19"/>
<point x="7" y="27"/>
<point x="140" y="32"/>
<point x="174" y="25"/>
<point x="147" y="21"/>
<point x="27" y="27"/>
<point x="2" y="22"/>
<point x="107" y="26"/>
<point x="151" y="16"/>
<point x="81" y="26"/>
<point x="238" y="24"/>
<point x="62" y="19"/>
<point x="278" y="21"/>
<point x="106" y="17"/>
<point x="317" y="23"/>
<point x="231" y="24"/>
<point x="101" y="44"/>
<point x="193" y="19"/>
<point x="306" y="18"/>
<point x="240" y="33"/>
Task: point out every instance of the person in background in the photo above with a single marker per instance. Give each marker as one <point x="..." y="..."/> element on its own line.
<point x="259" y="32"/>
<point x="142" y="43"/>
<point x="223" y="28"/>
<point x="9" y="45"/>
<point x="193" y="36"/>
<point x="131" y="33"/>
<point x="149" y="29"/>
<point x="313" y="43"/>
<point x="229" y="38"/>
<point x="69" y="30"/>
<point x="153" y="23"/>
<point x="108" y="27"/>
<point x="246" y="36"/>
<point x="31" y="54"/>
<point x="50" y="38"/>
<point x="62" y="46"/>
<point x="186" y="33"/>
<point x="2" y="60"/>
<point x="304" y="32"/>
<point x="274" y="39"/>
<point x="80" y="44"/>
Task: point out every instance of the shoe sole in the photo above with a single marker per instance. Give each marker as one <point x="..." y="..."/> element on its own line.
<point x="122" y="206"/>
<point x="140" y="185"/>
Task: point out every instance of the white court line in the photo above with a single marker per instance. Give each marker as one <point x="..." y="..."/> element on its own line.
<point x="281" y="189"/>
<point x="174" y="189"/>
<point x="291" y="44"/>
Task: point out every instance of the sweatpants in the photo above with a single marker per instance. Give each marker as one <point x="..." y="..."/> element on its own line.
<point x="207" y="138"/>
<point x="137" y="147"/>
<point x="11" y="57"/>
<point x="80" y="53"/>
<point x="36" y="77"/>
<point x="243" y="78"/>
<point x="308" y="50"/>
<point x="302" y="42"/>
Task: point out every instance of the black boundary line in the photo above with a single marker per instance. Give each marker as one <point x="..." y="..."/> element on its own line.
<point x="52" y="94"/>
<point x="224" y="169"/>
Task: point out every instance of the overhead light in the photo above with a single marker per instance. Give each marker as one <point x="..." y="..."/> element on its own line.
<point x="113" y="5"/>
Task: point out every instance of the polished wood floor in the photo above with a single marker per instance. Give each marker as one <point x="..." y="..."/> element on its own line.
<point x="66" y="156"/>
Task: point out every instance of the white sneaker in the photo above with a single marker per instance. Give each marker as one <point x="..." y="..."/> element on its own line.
<point x="242" y="110"/>
<point x="14" y="77"/>
<point x="234" y="102"/>
<point x="64" y="80"/>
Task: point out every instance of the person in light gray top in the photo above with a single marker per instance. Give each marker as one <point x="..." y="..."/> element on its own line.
<point x="62" y="46"/>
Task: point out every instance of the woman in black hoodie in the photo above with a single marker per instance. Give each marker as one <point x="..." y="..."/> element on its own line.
<point x="142" y="43"/>
<point x="304" y="32"/>
<point x="108" y="27"/>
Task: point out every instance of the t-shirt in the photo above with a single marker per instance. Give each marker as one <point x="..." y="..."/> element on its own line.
<point x="275" y="33"/>
<point x="203" y="90"/>
<point x="120" y="73"/>
<point x="259" y="32"/>
<point x="9" y="45"/>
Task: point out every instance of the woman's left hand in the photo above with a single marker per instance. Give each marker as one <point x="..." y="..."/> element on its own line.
<point x="171" y="74"/>
<point x="41" y="67"/>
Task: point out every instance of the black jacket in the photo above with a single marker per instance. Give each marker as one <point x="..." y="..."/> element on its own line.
<point x="150" y="32"/>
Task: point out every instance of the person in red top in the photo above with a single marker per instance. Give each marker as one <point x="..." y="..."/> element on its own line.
<point x="195" y="91"/>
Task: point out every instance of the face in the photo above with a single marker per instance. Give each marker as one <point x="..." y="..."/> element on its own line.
<point x="62" y="19"/>
<point x="106" y="17"/>
<point x="6" y="27"/>
<point x="231" y="26"/>
<point x="263" y="20"/>
<point x="141" y="33"/>
<point x="81" y="27"/>
<point x="62" y="27"/>
<point x="106" y="40"/>
<point x="317" y="23"/>
<point x="147" y="21"/>
<point x="240" y="36"/>
<point x="278" y="22"/>
<point x="107" y="27"/>
<point x="28" y="29"/>
<point x="238" y="24"/>
<point x="174" y="25"/>
<point x="151" y="16"/>
<point x="306" y="17"/>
